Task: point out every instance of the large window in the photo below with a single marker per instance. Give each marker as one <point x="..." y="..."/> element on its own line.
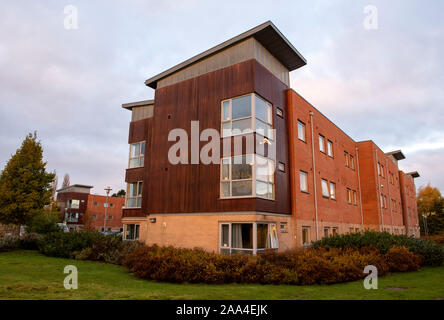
<point x="303" y="181"/>
<point x="73" y="204"/>
<point x="134" y="198"/>
<point x="301" y="130"/>
<point x="137" y="154"/>
<point x="245" y="114"/>
<point x="131" y="231"/>
<point x="240" y="237"/>
<point x="247" y="176"/>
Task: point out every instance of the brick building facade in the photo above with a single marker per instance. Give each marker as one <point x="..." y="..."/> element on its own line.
<point x="302" y="179"/>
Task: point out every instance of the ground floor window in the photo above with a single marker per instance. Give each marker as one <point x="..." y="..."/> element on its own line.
<point x="131" y="231"/>
<point x="305" y="236"/>
<point x="247" y="237"/>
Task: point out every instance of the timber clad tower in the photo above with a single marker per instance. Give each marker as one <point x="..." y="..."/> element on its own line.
<point x="302" y="180"/>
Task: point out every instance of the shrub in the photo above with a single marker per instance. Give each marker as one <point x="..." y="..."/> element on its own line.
<point x="43" y="223"/>
<point x="9" y="242"/>
<point x="109" y="249"/>
<point x="400" y="259"/>
<point x="30" y="241"/>
<point x="433" y="254"/>
<point x="66" y="245"/>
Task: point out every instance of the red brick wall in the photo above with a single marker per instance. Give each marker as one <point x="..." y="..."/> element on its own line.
<point x="96" y="207"/>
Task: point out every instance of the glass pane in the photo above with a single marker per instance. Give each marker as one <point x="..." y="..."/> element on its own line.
<point x="132" y="192"/>
<point x="241" y="168"/>
<point x="241" y="126"/>
<point x="270" y="191"/>
<point x="225" y="189"/>
<point x="139" y="202"/>
<point x="241" y="188"/>
<point x="262" y="233"/>
<point x="271" y="170"/>
<point x="301" y="131"/>
<point x="226" y="129"/>
<point x="261" y="128"/>
<point x="273" y="237"/>
<point x="225" y="169"/>
<point x="332" y="190"/>
<point x="270" y="131"/>
<point x="136" y="236"/>
<point x="303" y="181"/>
<point x="262" y="169"/>
<point x="135" y="150"/>
<point x="226" y="110"/>
<point x="260" y="108"/>
<point x="140" y="188"/>
<point x="241" y="107"/>
<point x="261" y="189"/>
<point x="132" y="202"/>
<point x="141" y="161"/>
<point x="321" y="144"/>
<point x="324" y="188"/>
<point x="142" y="148"/>
<point x="242" y="235"/>
<point x="224" y="235"/>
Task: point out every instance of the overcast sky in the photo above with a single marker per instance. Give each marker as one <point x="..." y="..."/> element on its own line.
<point x="384" y="84"/>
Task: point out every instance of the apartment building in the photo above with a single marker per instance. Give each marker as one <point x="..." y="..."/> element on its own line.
<point x="283" y="174"/>
<point x="80" y="209"/>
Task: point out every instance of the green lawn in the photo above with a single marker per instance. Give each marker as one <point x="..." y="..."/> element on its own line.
<point x="30" y="275"/>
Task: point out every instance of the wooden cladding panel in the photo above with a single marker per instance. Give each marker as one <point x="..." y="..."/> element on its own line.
<point x="195" y="187"/>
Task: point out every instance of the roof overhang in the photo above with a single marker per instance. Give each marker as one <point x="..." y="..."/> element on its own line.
<point x="131" y="105"/>
<point x="414" y="174"/>
<point x="76" y="186"/>
<point x="267" y="34"/>
<point x="397" y="154"/>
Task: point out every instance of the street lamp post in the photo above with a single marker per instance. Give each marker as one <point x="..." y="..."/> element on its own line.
<point x="107" y="189"/>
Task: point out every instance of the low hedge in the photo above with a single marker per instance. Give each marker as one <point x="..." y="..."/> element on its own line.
<point x="302" y="266"/>
<point x="432" y="253"/>
<point x="28" y="241"/>
<point x="67" y="245"/>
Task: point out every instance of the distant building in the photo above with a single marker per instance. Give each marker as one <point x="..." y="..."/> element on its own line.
<point x="319" y="182"/>
<point x="82" y="210"/>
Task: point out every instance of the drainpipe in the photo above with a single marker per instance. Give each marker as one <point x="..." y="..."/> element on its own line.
<point x="314" y="176"/>
<point x="379" y="193"/>
<point x="359" y="188"/>
<point x="390" y="198"/>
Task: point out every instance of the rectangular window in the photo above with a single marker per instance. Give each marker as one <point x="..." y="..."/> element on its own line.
<point x="134" y="195"/>
<point x="326" y="231"/>
<point x="330" y="148"/>
<point x="283" y="227"/>
<point x="137" y="154"/>
<point x="239" y="237"/>
<point x="352" y="162"/>
<point x="301" y="130"/>
<point x="73" y="204"/>
<point x="305" y="236"/>
<point x="246" y="114"/>
<point x="321" y="143"/>
<point x="247" y="176"/>
<point x="131" y="231"/>
<point x="324" y="185"/>
<point x="346" y="159"/>
<point x="281" y="166"/>
<point x="382" y="171"/>
<point x="355" y="201"/>
<point x="349" y="196"/>
<point x="303" y="181"/>
<point x="332" y="190"/>
<point x="334" y="231"/>
<point x="381" y="198"/>
<point x="379" y="169"/>
<point x="280" y="112"/>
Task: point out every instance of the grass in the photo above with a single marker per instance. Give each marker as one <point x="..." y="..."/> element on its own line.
<point x="30" y="275"/>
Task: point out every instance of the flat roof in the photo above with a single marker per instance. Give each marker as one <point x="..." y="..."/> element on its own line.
<point x="76" y="186"/>
<point x="267" y="34"/>
<point x="414" y="174"/>
<point x="397" y="154"/>
<point x="131" y="105"/>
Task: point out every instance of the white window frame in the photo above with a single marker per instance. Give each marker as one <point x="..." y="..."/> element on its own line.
<point x="272" y="233"/>
<point x="269" y="114"/>
<point x="125" y="229"/>
<point x="321" y="138"/>
<point x="301" y="130"/>
<point x="137" y="197"/>
<point x="270" y="183"/>
<point x="332" y="190"/>
<point x="326" y="192"/>
<point x="140" y="157"/>
<point x="305" y="174"/>
<point x="70" y="206"/>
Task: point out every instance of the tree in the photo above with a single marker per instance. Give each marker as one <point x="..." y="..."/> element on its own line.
<point x="45" y="221"/>
<point x="66" y="183"/>
<point x="25" y="186"/>
<point x="431" y="204"/>
<point x="88" y="221"/>
<point x="121" y="193"/>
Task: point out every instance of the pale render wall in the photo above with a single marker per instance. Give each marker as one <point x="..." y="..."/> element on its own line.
<point x="202" y="231"/>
